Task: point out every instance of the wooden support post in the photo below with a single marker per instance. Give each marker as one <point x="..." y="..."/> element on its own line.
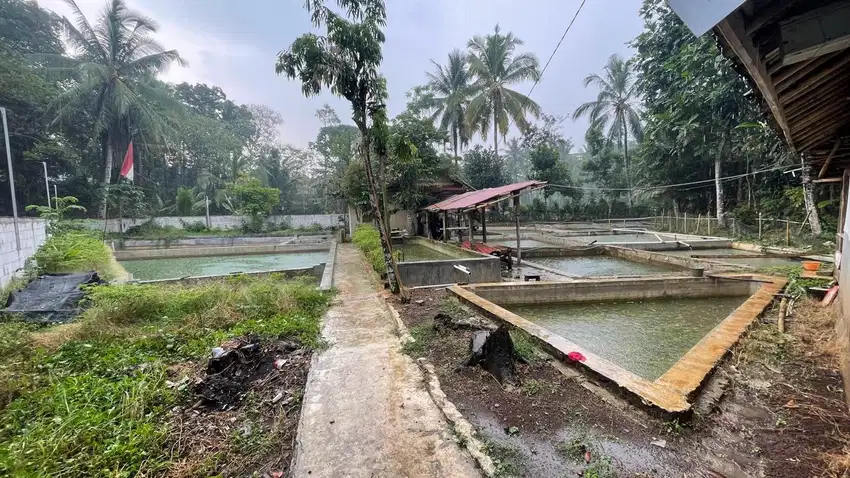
<point x="685" y="224"/>
<point x="783" y="311"/>
<point x="699" y="221"/>
<point x="708" y="220"/>
<point x="483" y="224"/>
<point x="787" y="233"/>
<point x="428" y="232"/>
<point x="516" y="220"/>
<point x="469" y="219"/>
<point x="760" y="225"/>
<point x="445" y="232"/>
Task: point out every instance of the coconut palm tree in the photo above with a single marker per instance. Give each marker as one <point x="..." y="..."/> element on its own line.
<point x="615" y="108"/>
<point x="516" y="160"/>
<point x="495" y="64"/>
<point x="113" y="66"/>
<point x="451" y="84"/>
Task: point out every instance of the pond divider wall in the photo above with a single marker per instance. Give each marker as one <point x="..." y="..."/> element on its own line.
<point x="482" y="268"/>
<point x="671" y="392"/>
<point x="327" y="279"/>
<point x="202" y="251"/>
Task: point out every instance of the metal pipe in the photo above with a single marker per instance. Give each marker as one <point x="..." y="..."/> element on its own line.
<point x="11" y="179"/>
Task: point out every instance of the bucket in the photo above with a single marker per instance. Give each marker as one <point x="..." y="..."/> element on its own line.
<point x="697" y="271"/>
<point x="811" y="265"/>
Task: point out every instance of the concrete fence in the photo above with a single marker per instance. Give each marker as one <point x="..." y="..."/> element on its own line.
<point x="326" y="221"/>
<point x="31" y="233"/>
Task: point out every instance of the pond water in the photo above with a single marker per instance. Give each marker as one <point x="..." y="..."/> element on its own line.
<point x="418" y="252"/>
<point x="645" y="337"/>
<point x="757" y="262"/>
<point x="621" y="238"/>
<point x="524" y="243"/>
<point x="172" y="267"/>
<point x="602" y="265"/>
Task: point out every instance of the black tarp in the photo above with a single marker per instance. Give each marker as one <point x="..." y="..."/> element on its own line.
<point x="50" y="298"/>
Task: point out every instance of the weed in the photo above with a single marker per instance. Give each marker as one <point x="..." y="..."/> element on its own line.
<point x="99" y="404"/>
<point x="450" y="306"/>
<point x="524" y="346"/>
<point x="77" y="251"/>
<point x="574" y="449"/>
<point x="674" y="427"/>
<point x="459" y="437"/>
<point x="422" y="336"/>
<point x="600" y="468"/>
<point x="508" y="460"/>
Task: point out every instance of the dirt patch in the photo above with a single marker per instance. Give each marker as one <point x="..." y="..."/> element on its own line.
<point x="776" y="410"/>
<point x="242" y="411"/>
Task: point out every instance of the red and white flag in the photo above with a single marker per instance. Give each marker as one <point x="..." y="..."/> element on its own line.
<point x="127" y="165"/>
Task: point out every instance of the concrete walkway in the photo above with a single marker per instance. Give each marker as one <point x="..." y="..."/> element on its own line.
<point x="366" y="411"/>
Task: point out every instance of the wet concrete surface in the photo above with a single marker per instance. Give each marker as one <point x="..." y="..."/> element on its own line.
<point x="366" y="411"/>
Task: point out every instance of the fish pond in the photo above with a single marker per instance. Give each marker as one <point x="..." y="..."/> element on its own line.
<point x="524" y="243"/>
<point x="728" y="255"/>
<point x="644" y="337"/>
<point x="601" y="265"/>
<point x="418" y="252"/>
<point x="175" y="267"/>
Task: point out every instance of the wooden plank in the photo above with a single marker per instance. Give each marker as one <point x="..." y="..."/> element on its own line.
<point x="732" y="29"/>
<point x="827" y="180"/>
<point x="815" y="80"/>
<point x="826" y="164"/>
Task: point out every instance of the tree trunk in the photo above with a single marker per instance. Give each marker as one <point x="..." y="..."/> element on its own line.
<point x="495" y="134"/>
<point x="809" y="199"/>
<point x="454" y="142"/>
<point x="107" y="172"/>
<point x="718" y="187"/>
<point x="628" y="167"/>
<point x="386" y="245"/>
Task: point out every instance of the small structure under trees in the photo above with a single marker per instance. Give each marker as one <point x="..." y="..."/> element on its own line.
<point x="462" y="209"/>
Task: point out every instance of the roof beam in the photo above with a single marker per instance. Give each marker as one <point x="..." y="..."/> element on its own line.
<point x="767" y="14"/>
<point x="732" y="29"/>
<point x="816" y="80"/>
<point x="825" y="166"/>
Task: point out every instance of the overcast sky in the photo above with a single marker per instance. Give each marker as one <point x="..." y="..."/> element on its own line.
<point x="234" y="45"/>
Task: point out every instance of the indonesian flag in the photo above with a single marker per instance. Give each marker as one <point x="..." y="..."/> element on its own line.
<point x="127" y="166"/>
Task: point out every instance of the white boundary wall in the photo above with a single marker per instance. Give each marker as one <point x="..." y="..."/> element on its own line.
<point x="32" y="235"/>
<point x="326" y="221"/>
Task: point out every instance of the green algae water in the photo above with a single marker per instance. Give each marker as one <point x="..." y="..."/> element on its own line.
<point x="418" y="252"/>
<point x="645" y="337"/>
<point x="596" y="266"/>
<point x="173" y="267"/>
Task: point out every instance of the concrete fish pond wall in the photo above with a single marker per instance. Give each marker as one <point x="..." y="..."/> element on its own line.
<point x="642" y="313"/>
<point x="442" y="269"/>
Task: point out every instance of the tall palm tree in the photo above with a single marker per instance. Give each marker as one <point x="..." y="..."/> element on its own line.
<point x="615" y="108"/>
<point x="451" y="83"/>
<point x="516" y="159"/>
<point x="114" y="67"/>
<point x="495" y="64"/>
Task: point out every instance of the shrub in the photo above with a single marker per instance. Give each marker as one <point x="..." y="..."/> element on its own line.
<point x="368" y="239"/>
<point x="255" y="201"/>
<point x="76" y="251"/>
<point x="196" y="226"/>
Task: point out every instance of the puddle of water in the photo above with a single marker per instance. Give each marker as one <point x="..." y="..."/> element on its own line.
<point x="595" y="266"/>
<point x="758" y="262"/>
<point x="524" y="243"/>
<point x="645" y="337"/>
<point x="172" y="267"/>
<point x="418" y="252"/>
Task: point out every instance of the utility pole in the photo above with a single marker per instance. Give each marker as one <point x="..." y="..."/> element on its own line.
<point x="46" y="183"/>
<point x="11" y="178"/>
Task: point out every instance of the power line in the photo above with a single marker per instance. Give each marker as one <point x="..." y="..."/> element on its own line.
<point x="668" y="186"/>
<point x="567" y="30"/>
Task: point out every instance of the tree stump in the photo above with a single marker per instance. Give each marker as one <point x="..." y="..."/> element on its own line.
<point x="494" y="351"/>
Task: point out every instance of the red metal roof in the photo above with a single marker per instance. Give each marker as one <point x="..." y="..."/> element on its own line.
<point x="473" y="198"/>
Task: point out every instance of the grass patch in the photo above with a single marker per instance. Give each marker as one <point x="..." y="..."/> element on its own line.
<point x="508" y="460"/>
<point x="422" y="336"/>
<point x="368" y="240"/>
<point x="524" y="346"/>
<point x="577" y="449"/>
<point x="450" y="305"/>
<point x="77" y="251"/>
<point x="533" y="386"/>
<point x="99" y="404"/>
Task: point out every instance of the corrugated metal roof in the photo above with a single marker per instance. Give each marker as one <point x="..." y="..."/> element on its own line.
<point x="473" y="198"/>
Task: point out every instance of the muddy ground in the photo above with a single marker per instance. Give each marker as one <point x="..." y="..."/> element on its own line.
<point x="241" y="413"/>
<point x="774" y="408"/>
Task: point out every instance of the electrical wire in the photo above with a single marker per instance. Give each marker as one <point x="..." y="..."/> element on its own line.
<point x="668" y="186"/>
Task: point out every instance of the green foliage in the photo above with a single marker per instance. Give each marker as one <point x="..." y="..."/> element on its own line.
<point x="57" y="216"/>
<point x="184" y="201"/>
<point x="368" y="240"/>
<point x="449" y="89"/>
<point x="508" y="460"/>
<point x="100" y="404"/>
<point x="254" y="201"/>
<point x="483" y="168"/>
<point x="524" y="346"/>
<point x="422" y="337"/>
<point x="76" y="251"/>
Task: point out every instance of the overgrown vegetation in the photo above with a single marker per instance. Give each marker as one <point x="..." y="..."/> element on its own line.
<point x="77" y="251"/>
<point x="99" y="404"/>
<point x="368" y="240"/>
